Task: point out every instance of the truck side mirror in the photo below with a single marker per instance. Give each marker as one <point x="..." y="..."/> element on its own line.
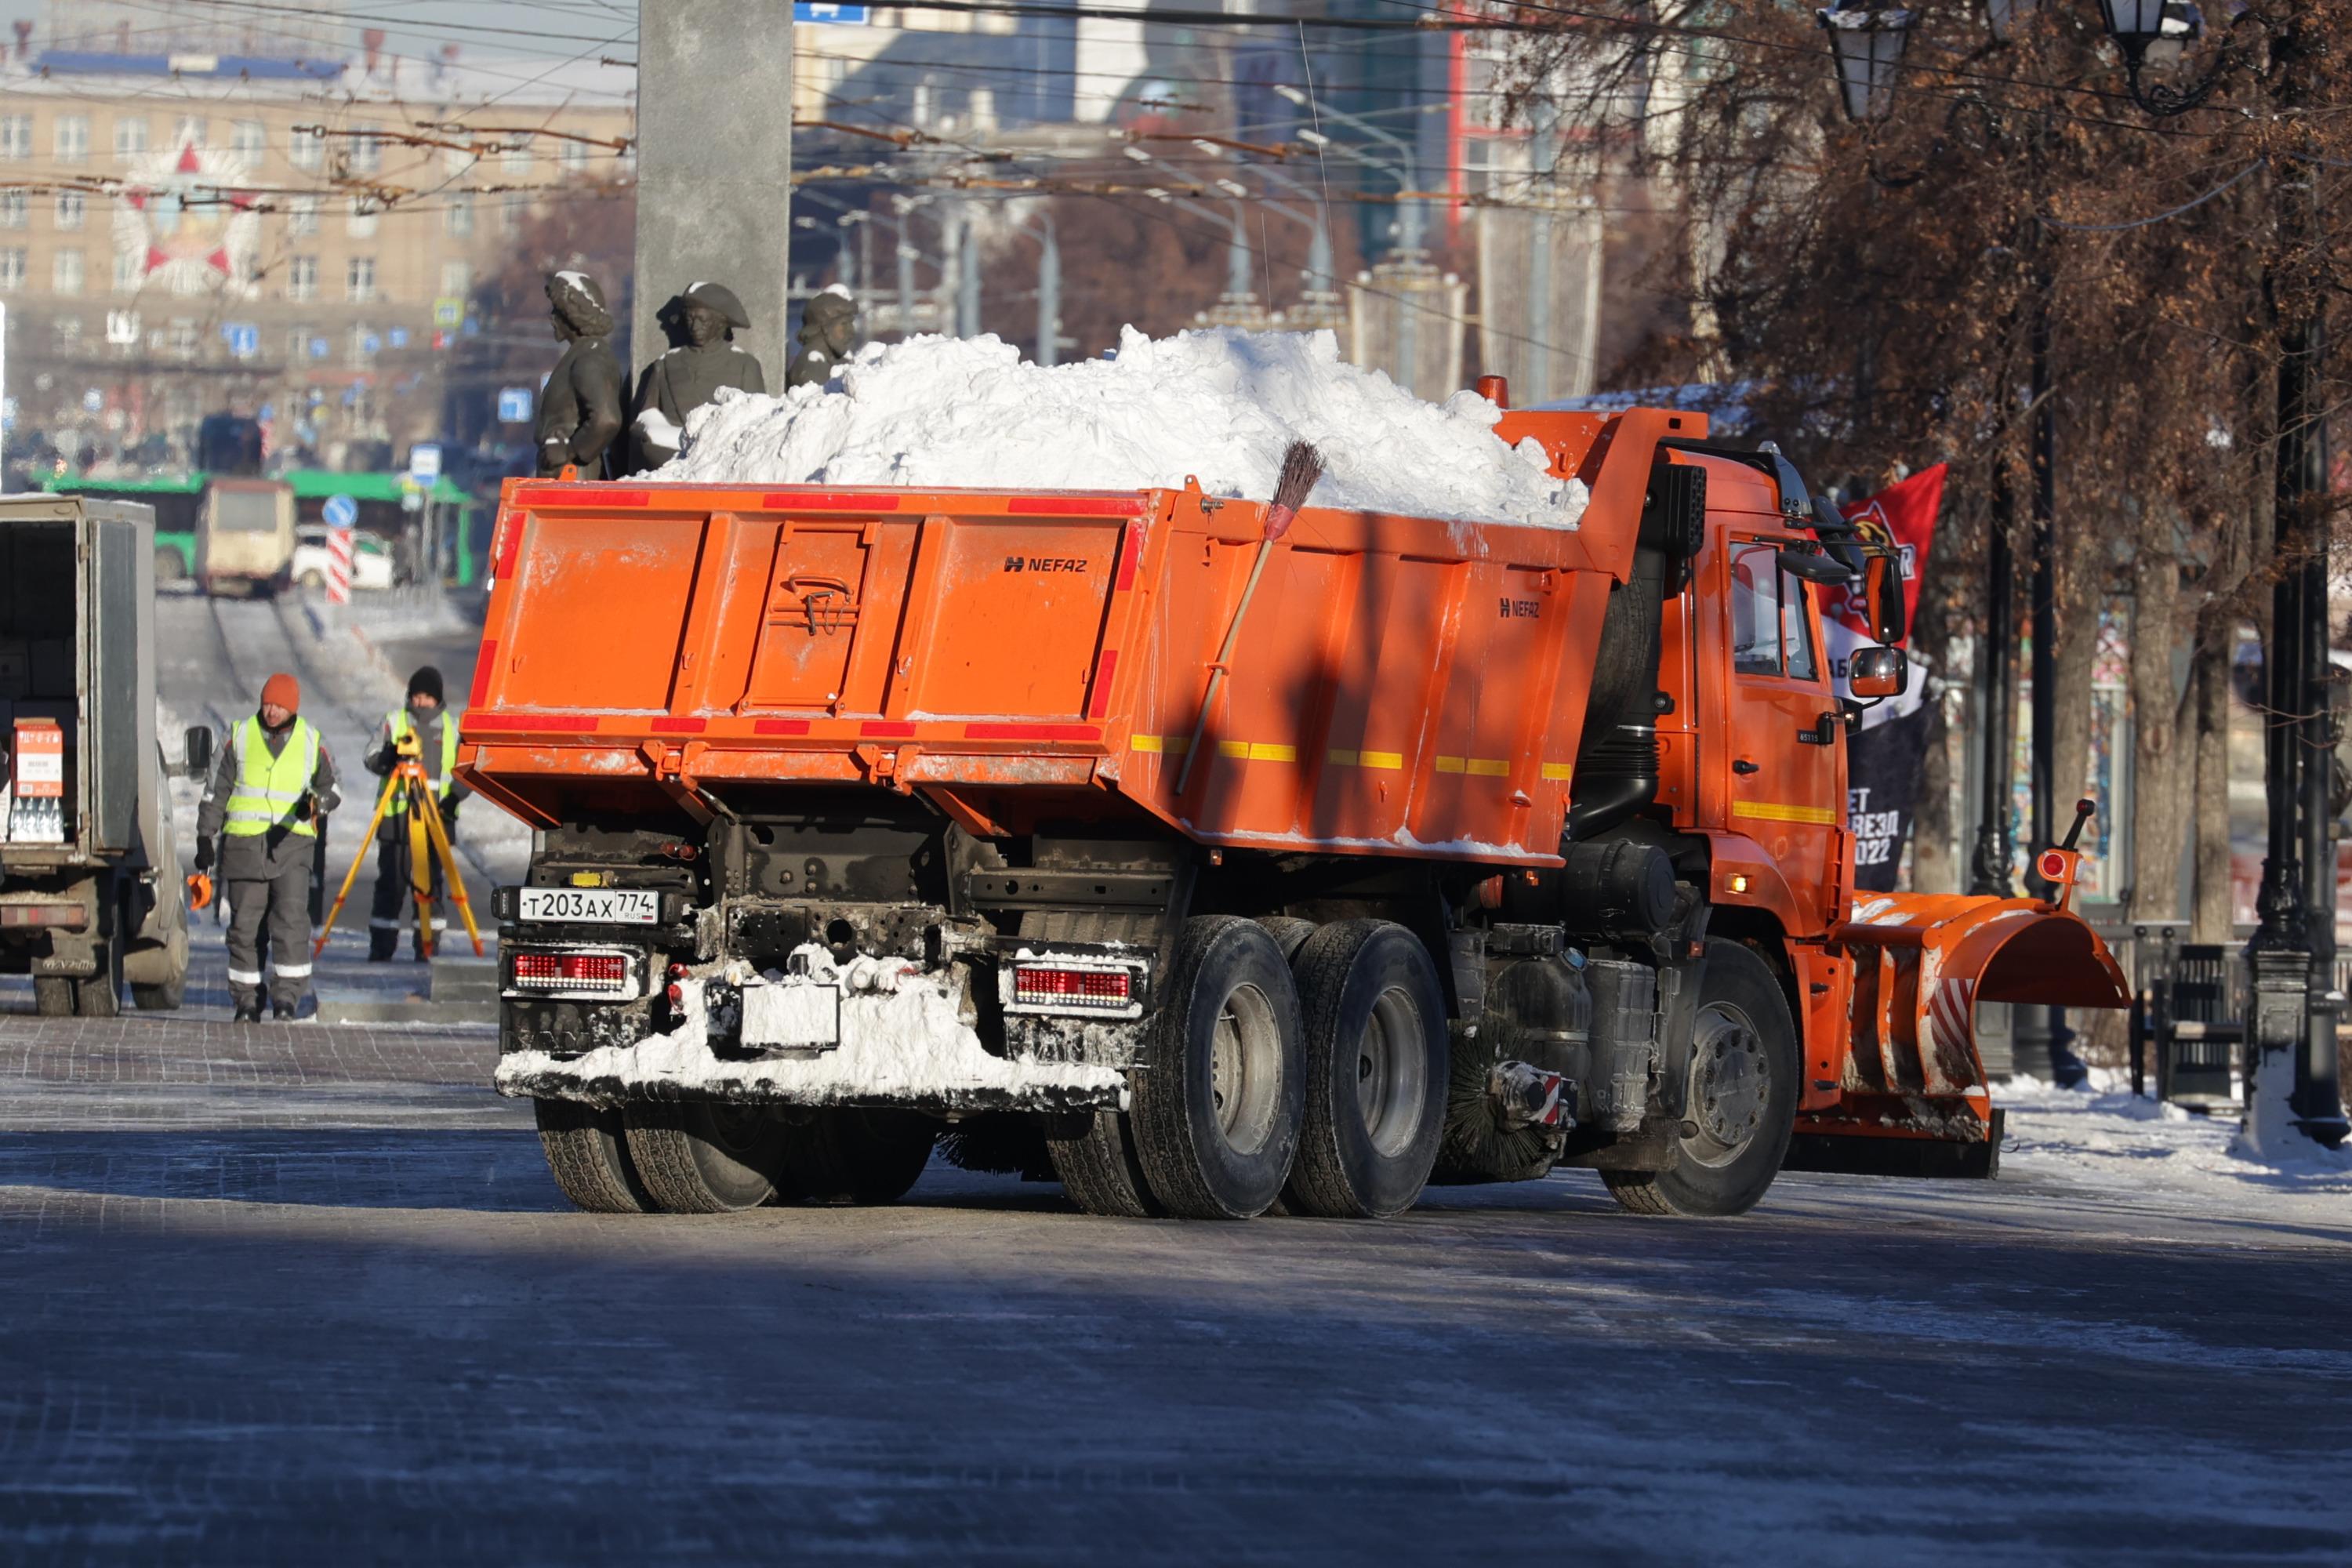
<point x="1882" y="592"/>
<point x="200" y="752"/>
<point x="1878" y="672"/>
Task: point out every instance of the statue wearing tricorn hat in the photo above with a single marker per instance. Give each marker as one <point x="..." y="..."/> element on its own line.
<point x="691" y="374"/>
<point x="580" y="407"/>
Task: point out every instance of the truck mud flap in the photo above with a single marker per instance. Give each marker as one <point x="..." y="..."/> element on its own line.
<point x="1913" y="1075"/>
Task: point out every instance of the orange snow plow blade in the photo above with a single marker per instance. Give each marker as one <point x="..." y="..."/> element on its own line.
<point x="1913" y="1099"/>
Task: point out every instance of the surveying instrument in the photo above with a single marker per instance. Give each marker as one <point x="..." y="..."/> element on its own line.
<point x="428" y="844"/>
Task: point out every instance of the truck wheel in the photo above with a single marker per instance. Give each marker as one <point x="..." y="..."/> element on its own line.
<point x="1742" y="1104"/>
<point x="1375" y="1071"/>
<point x="100" y="995"/>
<point x="589" y="1154"/>
<point x="858" y="1157"/>
<point x="1222" y="1085"/>
<point x="164" y="998"/>
<point x="170" y="566"/>
<point x="52" y="996"/>
<point x="1100" y="1171"/>
<point x="704" y="1157"/>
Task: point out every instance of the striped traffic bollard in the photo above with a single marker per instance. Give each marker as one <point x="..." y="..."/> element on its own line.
<point x="339" y="565"/>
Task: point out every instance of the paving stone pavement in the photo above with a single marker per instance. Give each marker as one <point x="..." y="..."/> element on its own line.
<point x="288" y="1294"/>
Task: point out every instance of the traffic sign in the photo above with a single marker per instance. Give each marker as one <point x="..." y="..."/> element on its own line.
<point x="397" y="337"/>
<point x="514" y="405"/>
<point x="424" y="462"/>
<point x="448" y="310"/>
<point x="340" y="511"/>
<point x="319" y="349"/>
<point x="243" y="338"/>
<point x="372" y="343"/>
<point x="812" y="11"/>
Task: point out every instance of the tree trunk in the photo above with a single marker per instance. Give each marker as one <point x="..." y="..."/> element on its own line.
<point x="1937" y="855"/>
<point x="2081" y="590"/>
<point x="2163" y="770"/>
<point x="2213" y="914"/>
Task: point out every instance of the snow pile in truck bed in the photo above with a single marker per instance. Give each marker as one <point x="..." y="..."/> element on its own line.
<point x="1220" y="405"/>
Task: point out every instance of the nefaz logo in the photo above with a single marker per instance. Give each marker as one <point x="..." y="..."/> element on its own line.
<point x="1044" y="563"/>
<point x="1522" y="609"/>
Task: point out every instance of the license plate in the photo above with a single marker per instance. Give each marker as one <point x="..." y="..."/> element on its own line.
<point x="592" y="906"/>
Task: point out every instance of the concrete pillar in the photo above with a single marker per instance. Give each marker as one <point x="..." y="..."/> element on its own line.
<point x="714" y="165"/>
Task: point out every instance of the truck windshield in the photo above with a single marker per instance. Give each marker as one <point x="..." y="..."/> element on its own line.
<point x="245" y="512"/>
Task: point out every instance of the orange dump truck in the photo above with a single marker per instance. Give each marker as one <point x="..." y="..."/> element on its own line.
<point x="867" y="814"/>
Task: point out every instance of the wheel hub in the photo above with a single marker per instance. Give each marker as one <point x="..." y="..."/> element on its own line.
<point x="1730" y="1079"/>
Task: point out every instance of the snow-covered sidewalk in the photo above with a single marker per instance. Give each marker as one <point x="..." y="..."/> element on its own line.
<point x="2105" y="1138"/>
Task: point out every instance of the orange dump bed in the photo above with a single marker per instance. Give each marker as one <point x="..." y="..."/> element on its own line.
<point x="1398" y="685"/>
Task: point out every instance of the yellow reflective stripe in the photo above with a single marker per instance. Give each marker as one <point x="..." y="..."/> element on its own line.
<point x="1476" y="767"/>
<point x="1385" y="762"/>
<point x="1773" y="811"/>
<point x="1164" y="745"/>
<point x="1257" y="751"/>
<point x="1553" y="770"/>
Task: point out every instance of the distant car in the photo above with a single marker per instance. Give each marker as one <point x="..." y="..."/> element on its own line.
<point x="371" y="559"/>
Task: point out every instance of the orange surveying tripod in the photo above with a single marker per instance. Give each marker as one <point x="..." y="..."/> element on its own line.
<point x="427" y="835"/>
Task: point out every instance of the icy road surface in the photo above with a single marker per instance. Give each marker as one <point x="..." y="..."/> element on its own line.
<point x="286" y="1294"/>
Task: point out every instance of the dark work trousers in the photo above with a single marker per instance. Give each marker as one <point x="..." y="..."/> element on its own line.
<point x="384" y="917"/>
<point x="283" y="904"/>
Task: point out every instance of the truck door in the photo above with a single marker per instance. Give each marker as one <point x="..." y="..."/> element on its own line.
<point x="1784" y="736"/>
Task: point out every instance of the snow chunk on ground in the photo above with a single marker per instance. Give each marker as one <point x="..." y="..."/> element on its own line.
<point x="1220" y="405"/>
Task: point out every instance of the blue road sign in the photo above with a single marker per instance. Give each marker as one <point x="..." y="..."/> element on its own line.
<point x="847" y="15"/>
<point x="244" y="339"/>
<point x="340" y="511"/>
<point x="372" y="343"/>
<point x="514" y="405"/>
<point x="397" y="337"/>
<point x="319" y="349"/>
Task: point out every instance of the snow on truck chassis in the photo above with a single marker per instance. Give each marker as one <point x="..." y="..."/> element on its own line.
<point x="1504" y="846"/>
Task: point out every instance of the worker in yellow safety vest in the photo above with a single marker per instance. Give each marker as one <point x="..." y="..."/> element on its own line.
<point x="275" y="783"/>
<point x="435" y="729"/>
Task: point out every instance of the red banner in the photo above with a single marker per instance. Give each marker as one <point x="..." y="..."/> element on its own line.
<point x="1904" y="515"/>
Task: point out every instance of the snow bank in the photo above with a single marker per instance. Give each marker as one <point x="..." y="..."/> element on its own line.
<point x="1220" y="405"/>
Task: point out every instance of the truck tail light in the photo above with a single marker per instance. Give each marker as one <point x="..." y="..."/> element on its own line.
<point x="1074" y="989"/>
<point x="597" y="974"/>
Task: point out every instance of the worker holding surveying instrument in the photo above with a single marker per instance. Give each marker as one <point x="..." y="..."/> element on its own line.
<point x="414" y="754"/>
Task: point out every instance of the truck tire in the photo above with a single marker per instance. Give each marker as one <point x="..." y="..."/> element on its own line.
<point x="702" y="1157"/>
<point x="1220" y="1089"/>
<point x="1289" y="933"/>
<point x="857" y="1157"/>
<point x="1100" y="1171"/>
<point x="588" y="1153"/>
<point x="52" y="996"/>
<point x="164" y="998"/>
<point x="1742" y="1098"/>
<point x="100" y="995"/>
<point x="1374" y="1017"/>
<point x="171" y="566"/>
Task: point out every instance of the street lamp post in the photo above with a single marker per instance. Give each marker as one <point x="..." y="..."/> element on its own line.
<point x="1411" y="219"/>
<point x="2293" y="951"/>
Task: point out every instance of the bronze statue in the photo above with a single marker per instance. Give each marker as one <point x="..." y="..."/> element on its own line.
<point x="828" y="332"/>
<point x="579" y="408"/>
<point x="691" y="374"/>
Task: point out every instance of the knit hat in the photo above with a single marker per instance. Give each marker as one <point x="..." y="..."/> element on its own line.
<point x="283" y="691"/>
<point x="426" y="682"/>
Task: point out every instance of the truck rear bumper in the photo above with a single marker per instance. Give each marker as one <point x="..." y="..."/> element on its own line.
<point x="906" y="1046"/>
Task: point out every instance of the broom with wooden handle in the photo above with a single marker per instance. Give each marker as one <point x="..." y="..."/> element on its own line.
<point x="1302" y="466"/>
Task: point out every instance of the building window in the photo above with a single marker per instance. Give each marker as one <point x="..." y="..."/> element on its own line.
<point x="456" y="277"/>
<point x="458" y="217"/>
<point x="573" y="156"/>
<point x="15" y="210"/>
<point x="512" y="212"/>
<point x="72" y="133"/>
<point x="361" y="222"/>
<point x="307" y="149"/>
<point x="16" y="136"/>
<point x="12" y="268"/>
<point x="130" y="136"/>
<point x="68" y="330"/>
<point x="130" y="272"/>
<point x="72" y="207"/>
<point x="517" y="160"/>
<point x="65" y="272"/>
<point x="188" y="131"/>
<point x="302" y="216"/>
<point x="248" y="138"/>
<point x="302" y="278"/>
<point x="359" y="279"/>
<point x="366" y="154"/>
<point x="183" y="337"/>
<point x="363" y="346"/>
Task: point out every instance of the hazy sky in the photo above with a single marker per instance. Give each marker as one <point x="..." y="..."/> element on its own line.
<point x="482" y="28"/>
